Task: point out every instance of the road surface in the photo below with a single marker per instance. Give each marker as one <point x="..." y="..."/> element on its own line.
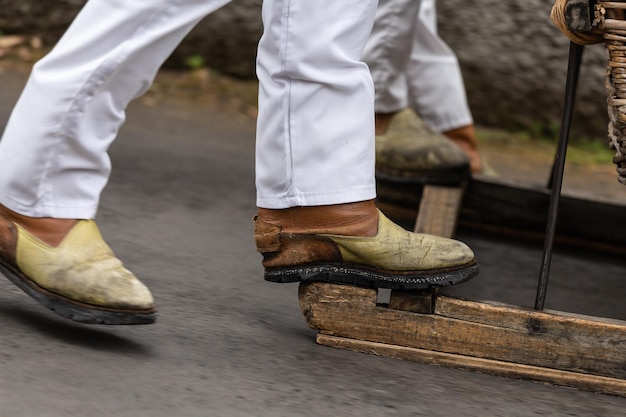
<point x="178" y="211"/>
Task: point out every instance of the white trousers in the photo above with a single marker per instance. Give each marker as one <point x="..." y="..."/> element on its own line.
<point x="315" y="140"/>
<point x="413" y="67"/>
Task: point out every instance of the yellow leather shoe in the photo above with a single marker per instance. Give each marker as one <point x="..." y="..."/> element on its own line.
<point x="411" y="151"/>
<point x="394" y="258"/>
<point x="80" y="279"/>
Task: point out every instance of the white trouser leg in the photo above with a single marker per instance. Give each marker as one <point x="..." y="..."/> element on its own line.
<point x="53" y="160"/>
<point x="387" y="52"/>
<point x="436" y="88"/>
<point x="315" y="139"/>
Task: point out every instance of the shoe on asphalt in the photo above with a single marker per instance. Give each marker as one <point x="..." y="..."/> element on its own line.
<point x="80" y="279"/>
<point x="394" y="258"/>
<point x="410" y="151"/>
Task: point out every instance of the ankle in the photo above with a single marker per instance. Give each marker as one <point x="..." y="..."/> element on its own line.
<point x="465" y="138"/>
<point x="382" y="122"/>
<point x="47" y="229"/>
<point x="349" y="219"/>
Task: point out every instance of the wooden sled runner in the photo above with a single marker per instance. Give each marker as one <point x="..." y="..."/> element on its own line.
<point x="559" y="348"/>
<point x="582" y="352"/>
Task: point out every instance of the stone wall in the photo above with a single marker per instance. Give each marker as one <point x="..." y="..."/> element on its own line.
<point x="514" y="60"/>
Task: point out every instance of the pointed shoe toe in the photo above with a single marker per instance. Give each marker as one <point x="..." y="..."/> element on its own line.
<point x="80" y="279"/>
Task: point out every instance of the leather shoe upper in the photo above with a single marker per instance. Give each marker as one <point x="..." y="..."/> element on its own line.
<point x="392" y="248"/>
<point x="410" y="145"/>
<point x="82" y="267"/>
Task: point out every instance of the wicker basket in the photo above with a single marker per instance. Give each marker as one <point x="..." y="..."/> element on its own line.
<point x="606" y="24"/>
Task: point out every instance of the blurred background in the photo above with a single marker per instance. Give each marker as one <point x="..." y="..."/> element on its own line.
<point x="513" y="58"/>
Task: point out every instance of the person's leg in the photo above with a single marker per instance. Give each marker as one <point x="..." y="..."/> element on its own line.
<point x="315" y="104"/>
<point x="53" y="154"/>
<point x="387" y="53"/>
<point x="315" y="159"/>
<point x="54" y="162"/>
<point x="405" y="146"/>
<point x="436" y="87"/>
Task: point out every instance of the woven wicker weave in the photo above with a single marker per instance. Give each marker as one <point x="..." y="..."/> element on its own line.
<point x="608" y="26"/>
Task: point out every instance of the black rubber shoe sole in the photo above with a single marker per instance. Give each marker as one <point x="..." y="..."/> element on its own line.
<point x="361" y="276"/>
<point x="74" y="310"/>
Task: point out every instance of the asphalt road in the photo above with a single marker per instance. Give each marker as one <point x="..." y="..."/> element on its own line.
<point x="178" y="211"/>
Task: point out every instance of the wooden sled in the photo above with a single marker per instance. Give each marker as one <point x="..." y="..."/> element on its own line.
<point x="507" y="208"/>
<point x="588" y="353"/>
<point x="584" y="352"/>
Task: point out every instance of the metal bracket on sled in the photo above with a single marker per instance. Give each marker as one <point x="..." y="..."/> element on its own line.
<point x="579" y="15"/>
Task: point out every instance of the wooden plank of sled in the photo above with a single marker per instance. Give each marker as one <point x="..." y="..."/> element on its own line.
<point x="518" y="210"/>
<point x="495" y="338"/>
<point x="438" y="211"/>
<point x="585" y="382"/>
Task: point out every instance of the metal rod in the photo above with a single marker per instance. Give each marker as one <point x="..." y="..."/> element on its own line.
<point x="556" y="178"/>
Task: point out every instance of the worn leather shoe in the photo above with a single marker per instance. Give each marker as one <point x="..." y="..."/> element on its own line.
<point x="409" y="150"/>
<point x="80" y="279"/>
<point x="392" y="258"/>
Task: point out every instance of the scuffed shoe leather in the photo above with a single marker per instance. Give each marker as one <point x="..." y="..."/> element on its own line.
<point x="411" y="151"/>
<point x="80" y="279"/>
<point x="393" y="258"/>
